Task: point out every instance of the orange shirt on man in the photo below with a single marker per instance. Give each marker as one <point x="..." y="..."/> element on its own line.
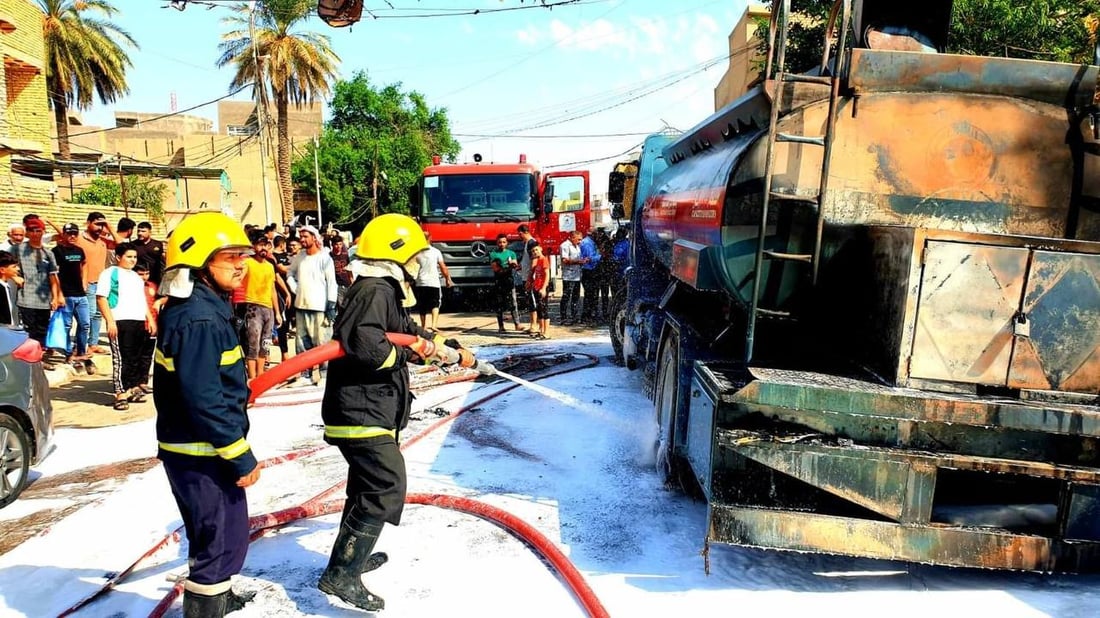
<point x="95" y="256"/>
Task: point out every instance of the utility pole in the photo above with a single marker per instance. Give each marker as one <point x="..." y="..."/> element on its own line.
<point x="261" y="110"/>
<point x="317" y="180"/>
<point x="122" y="187"/>
<point x="374" y="186"/>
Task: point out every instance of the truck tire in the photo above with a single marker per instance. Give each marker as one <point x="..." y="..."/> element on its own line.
<point x="15" y="459"/>
<point x="668" y="403"/>
<point x="618" y="326"/>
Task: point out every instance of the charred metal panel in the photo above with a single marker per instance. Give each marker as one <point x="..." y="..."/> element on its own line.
<point x="951" y="162"/>
<point x="967" y="163"/>
<point x="969" y="296"/>
<point x="700" y="433"/>
<point x="890" y="483"/>
<point x="1047" y="82"/>
<point x="1082" y="521"/>
<point x="817" y="394"/>
<point x="942" y="545"/>
<point x="1058" y="330"/>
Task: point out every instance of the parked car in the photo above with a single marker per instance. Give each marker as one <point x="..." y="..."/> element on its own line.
<point x="26" y="416"/>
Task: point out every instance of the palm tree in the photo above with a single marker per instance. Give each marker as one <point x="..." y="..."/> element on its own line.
<point x="294" y="67"/>
<point x="84" y="57"/>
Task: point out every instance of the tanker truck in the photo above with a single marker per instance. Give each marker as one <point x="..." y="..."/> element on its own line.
<point x="865" y="301"/>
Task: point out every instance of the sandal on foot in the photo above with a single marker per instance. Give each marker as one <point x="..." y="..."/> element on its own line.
<point x="122" y="404"/>
<point x="89" y="367"/>
<point x="135" y="395"/>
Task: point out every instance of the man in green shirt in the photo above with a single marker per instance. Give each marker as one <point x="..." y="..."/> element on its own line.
<point x="504" y="263"/>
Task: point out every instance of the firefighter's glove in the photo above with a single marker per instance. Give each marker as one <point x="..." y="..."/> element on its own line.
<point x="452" y="343"/>
<point x="330" y="312"/>
<point x="427" y="350"/>
<point x="466" y="359"/>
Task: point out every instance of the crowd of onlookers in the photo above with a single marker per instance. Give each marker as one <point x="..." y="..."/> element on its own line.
<point x="69" y="285"/>
<point x="592" y="267"/>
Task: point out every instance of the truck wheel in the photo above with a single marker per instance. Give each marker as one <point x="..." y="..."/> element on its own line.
<point x="15" y="459"/>
<point x="618" y="326"/>
<point x="668" y="404"/>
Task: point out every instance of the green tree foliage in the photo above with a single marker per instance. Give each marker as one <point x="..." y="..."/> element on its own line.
<point x="142" y="194"/>
<point x="1056" y="30"/>
<point x="381" y="135"/>
<point x="85" y="58"/>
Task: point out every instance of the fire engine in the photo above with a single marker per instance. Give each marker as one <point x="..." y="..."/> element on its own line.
<point x="465" y="206"/>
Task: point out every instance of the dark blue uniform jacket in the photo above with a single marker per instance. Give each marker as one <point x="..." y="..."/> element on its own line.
<point x="199" y="383"/>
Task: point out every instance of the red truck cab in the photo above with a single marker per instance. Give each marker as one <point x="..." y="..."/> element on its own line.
<point x="465" y="206"/>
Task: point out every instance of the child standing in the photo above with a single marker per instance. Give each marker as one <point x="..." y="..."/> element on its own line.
<point x="9" y="286"/>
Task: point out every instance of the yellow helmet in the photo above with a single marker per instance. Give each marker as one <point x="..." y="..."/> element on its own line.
<point x="392" y="237"/>
<point x="200" y="236"/>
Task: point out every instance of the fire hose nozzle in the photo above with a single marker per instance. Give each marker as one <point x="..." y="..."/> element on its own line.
<point x="486" y="368"/>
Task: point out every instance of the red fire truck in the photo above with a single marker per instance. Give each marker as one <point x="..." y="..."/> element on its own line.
<point x="465" y="206"/>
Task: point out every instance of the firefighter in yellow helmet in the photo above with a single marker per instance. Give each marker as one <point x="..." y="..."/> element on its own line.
<point x="200" y="389"/>
<point x="367" y="400"/>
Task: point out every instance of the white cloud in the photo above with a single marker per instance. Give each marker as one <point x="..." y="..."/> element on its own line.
<point x="529" y="36"/>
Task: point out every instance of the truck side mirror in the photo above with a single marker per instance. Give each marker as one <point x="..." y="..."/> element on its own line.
<point x="616" y="186"/>
<point x="414" y="197"/>
<point x="548" y="199"/>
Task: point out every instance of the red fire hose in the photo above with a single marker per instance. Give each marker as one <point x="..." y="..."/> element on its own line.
<point x="321" y="505"/>
<point x="516" y="526"/>
<point x="309" y="359"/>
<point x="174" y="536"/>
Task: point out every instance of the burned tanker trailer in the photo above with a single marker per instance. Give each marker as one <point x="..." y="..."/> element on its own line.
<point x="867" y="302"/>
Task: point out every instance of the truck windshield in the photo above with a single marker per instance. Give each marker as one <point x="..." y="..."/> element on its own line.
<point x="479" y="196"/>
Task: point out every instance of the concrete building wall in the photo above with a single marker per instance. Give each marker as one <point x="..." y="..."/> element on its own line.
<point x="188" y="141"/>
<point x="175" y="124"/>
<point x="743" y="57"/>
<point x="240" y="193"/>
<point x="239" y="117"/>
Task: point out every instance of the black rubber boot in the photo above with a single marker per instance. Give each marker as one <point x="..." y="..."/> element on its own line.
<point x="197" y="605"/>
<point x="235" y="600"/>
<point x="351" y="557"/>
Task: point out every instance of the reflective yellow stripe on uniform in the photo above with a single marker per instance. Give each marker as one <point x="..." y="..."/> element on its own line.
<point x="195" y="449"/>
<point x="357" y="433"/>
<point x="205" y="449"/>
<point x="238" y="448"/>
<point x="391" y="360"/>
<point x="229" y="357"/>
<point x="232" y="356"/>
<point x="162" y="360"/>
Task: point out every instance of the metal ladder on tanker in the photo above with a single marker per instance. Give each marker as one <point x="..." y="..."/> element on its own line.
<point x="777" y="55"/>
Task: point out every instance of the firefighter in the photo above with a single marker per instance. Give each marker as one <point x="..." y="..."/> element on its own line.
<point x="367" y="399"/>
<point x="200" y="390"/>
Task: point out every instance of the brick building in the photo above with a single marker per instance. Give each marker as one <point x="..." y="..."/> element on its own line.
<point x="24" y="109"/>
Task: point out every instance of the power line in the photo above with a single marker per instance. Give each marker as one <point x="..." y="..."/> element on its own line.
<point x="453" y="12"/>
<point x="622" y="98"/>
<point x="561" y="136"/>
<point x="155" y="118"/>
<point x="587" y="161"/>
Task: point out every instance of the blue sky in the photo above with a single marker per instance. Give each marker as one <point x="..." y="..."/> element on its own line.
<point x="574" y="83"/>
